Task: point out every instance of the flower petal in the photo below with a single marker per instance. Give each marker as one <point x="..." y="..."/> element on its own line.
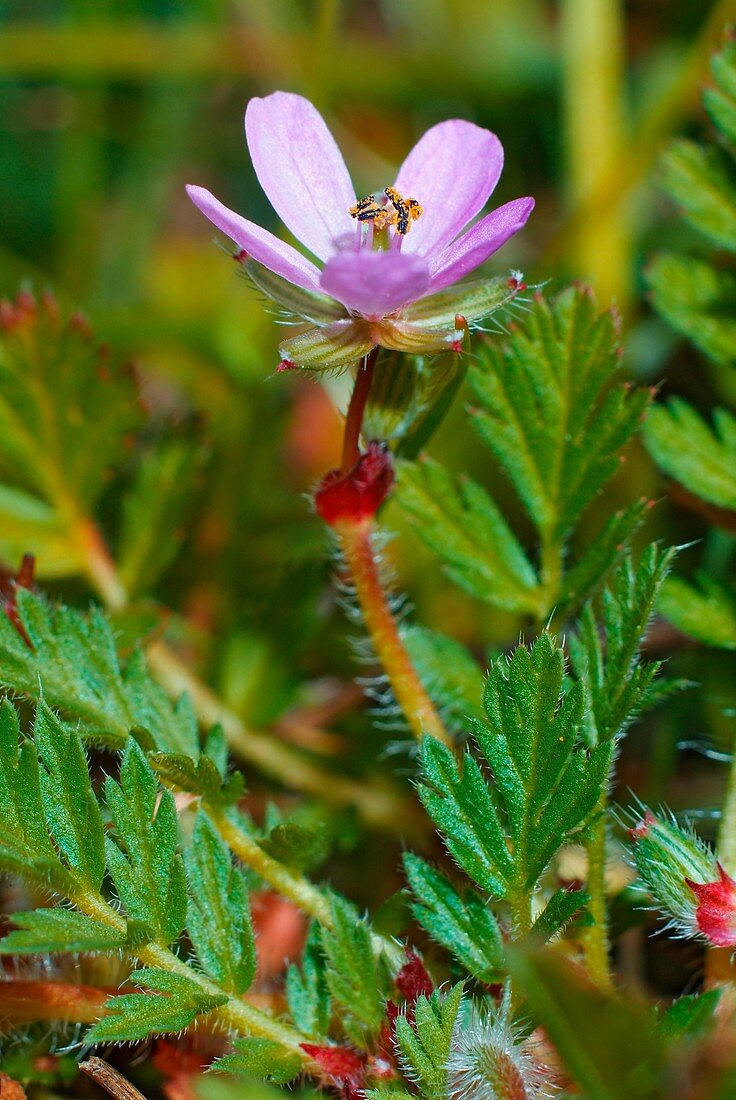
<point x="481" y="241"/>
<point x="375" y="283"/>
<point x="258" y="243"/>
<point x="451" y="171"/>
<point x="329" y="347"/>
<point x="301" y="169"/>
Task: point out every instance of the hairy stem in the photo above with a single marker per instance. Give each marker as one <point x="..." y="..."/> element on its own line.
<point x="236" y="1015"/>
<point x="595" y="939"/>
<point x="356" y="544"/>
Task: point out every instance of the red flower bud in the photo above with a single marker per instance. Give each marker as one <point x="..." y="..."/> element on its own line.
<point x="413" y="981"/>
<point x="341" y="1063"/>
<point x="715" y="915"/>
<point x="358" y="494"/>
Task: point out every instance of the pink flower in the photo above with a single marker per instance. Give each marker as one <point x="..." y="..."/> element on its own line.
<point x="385" y="264"/>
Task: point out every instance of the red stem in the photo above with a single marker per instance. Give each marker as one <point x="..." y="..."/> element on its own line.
<point x="356" y="409"/>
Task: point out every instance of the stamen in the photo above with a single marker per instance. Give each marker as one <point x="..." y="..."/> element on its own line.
<point x="397" y="212"/>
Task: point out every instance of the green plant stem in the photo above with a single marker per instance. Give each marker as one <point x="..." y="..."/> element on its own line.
<point x="356" y="545"/>
<point x="308" y="897"/>
<point x="595" y="938"/>
<point x="236" y="1015"/>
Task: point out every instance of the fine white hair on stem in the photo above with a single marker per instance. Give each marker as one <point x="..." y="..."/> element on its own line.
<point x="491" y="1059"/>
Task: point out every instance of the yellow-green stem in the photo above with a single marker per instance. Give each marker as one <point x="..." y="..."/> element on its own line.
<point x="356" y="544"/>
<point x="593" y="84"/>
<point x="595" y="938"/>
<point x="237" y="1015"/>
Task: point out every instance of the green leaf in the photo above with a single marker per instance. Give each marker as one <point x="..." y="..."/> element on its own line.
<point x="145" y="865"/>
<point x="609" y="1044"/>
<point x="297" y="846"/>
<point x="74" y="666"/>
<point x="65" y="410"/>
<point x="174" y="1005"/>
<point x="154" y="513"/>
<point x="451" y="675"/>
<point x="25" y="846"/>
<point x="617" y="684"/>
<point x="59" y="930"/>
<point x="355" y="978"/>
<point x="424" y="1048"/>
<point x="306" y="989"/>
<point x="700" y="458"/>
<point x="218" y="920"/>
<point x="463" y="526"/>
<point x="556" y="417"/>
<point x="463" y="924"/>
<point x="549" y="411"/>
<point x="545" y="784"/>
<point x="71" y="809"/>
<point x="705" y="610"/>
<point x="720" y="101"/>
<point x="691" y="1017"/>
<point x="255" y="1057"/>
<point x="698" y="300"/>
<point x="197" y="777"/>
<point x="560" y="910"/>
<point x="701" y="181"/>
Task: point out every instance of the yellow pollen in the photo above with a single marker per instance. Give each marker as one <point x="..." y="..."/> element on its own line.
<point x="398" y="211"/>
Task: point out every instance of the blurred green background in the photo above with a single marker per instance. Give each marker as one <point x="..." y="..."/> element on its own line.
<point x="108" y="107"/>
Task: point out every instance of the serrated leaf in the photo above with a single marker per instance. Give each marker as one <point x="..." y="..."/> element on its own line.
<point x="460" y="522"/>
<point x="448" y="671"/>
<point x="701" y="181"/>
<point x="701" y="458"/>
<point x="154" y="512"/>
<point x="255" y="1057"/>
<point x="25" y="845"/>
<point x="560" y="910"/>
<point x="297" y="846"/>
<point x="355" y="978"/>
<point x="306" y="989"/>
<point x="69" y="803"/>
<point x="144" y="863"/>
<point x="549" y="412"/>
<point x="604" y="551"/>
<point x="218" y="919"/>
<point x="65" y="410"/>
<point x="197" y="777"/>
<point x="59" y="930"/>
<point x="705" y="610"/>
<point x="617" y="684"/>
<point x="463" y="924"/>
<point x="698" y="300"/>
<point x="73" y="665"/>
<point x="424" y="1048"/>
<point x="545" y="784"/>
<point x="174" y="1004"/>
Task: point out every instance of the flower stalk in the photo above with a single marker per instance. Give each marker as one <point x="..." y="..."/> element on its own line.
<point x="356" y="545"/>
